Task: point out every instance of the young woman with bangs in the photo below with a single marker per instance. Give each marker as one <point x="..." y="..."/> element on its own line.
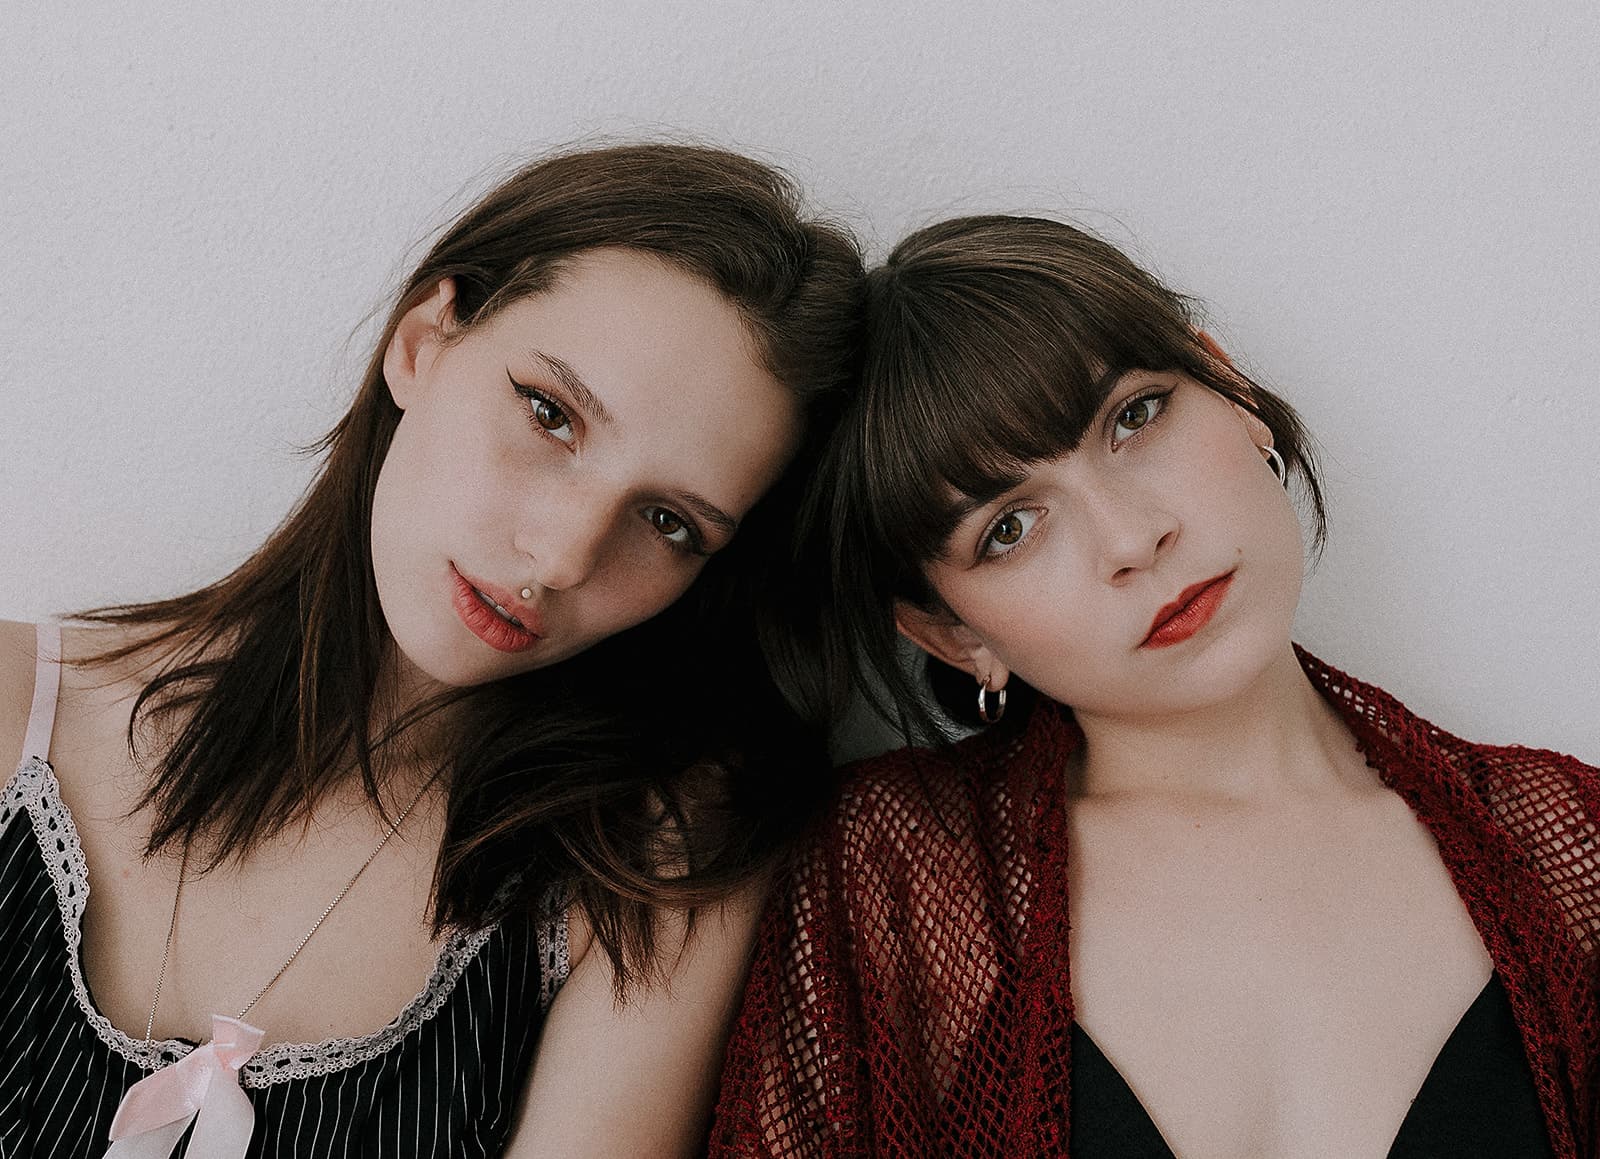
<point x="1189" y="890"/>
<point x="439" y="826"/>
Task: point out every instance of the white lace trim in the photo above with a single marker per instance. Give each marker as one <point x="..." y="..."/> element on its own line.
<point x="33" y="788"/>
<point x="554" y="962"/>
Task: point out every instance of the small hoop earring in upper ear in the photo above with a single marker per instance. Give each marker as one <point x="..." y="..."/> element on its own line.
<point x="984" y="714"/>
<point x="1275" y="461"/>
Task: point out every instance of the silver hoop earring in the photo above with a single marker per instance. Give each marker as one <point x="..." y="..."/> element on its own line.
<point x="1276" y="463"/>
<point x="984" y="714"/>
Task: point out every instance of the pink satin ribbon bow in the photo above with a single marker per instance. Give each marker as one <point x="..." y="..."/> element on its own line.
<point x="201" y="1087"/>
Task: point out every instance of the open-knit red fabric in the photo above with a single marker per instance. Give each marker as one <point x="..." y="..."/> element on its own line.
<point x="910" y="994"/>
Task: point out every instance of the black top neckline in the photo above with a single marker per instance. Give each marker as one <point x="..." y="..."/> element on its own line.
<point x="1478" y="1099"/>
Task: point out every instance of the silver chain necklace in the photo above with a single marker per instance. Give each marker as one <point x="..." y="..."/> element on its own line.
<point x="172" y="926"/>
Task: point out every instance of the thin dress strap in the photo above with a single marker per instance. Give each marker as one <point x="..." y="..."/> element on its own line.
<point x="46" y="687"/>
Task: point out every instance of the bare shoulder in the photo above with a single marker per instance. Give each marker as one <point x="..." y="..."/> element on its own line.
<point x="18" y="646"/>
<point x="725" y="926"/>
<point x="84" y="685"/>
<point x="637" y="1078"/>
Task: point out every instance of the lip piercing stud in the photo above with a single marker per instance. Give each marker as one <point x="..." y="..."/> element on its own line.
<point x="526" y="593"/>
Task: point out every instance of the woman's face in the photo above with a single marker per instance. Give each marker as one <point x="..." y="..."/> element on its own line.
<point x="1063" y="579"/>
<point x="590" y="445"/>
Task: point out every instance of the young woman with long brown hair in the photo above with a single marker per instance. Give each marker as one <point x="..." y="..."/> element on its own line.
<point x="438" y="823"/>
<point x="1189" y="891"/>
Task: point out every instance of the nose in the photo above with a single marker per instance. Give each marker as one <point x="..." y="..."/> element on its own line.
<point x="563" y="536"/>
<point x="1132" y="529"/>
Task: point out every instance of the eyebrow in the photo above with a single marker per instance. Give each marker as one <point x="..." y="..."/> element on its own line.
<point x="563" y="373"/>
<point x="1106" y="385"/>
<point x="710" y="512"/>
<point x="964" y="507"/>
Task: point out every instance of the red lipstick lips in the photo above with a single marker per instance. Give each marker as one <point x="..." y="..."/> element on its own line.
<point x="487" y="612"/>
<point x="1187" y="614"/>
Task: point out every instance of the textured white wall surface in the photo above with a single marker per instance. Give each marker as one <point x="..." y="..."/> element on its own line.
<point x="1389" y="209"/>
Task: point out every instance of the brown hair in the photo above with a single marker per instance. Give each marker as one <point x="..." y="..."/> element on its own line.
<point x="659" y="767"/>
<point x="992" y="343"/>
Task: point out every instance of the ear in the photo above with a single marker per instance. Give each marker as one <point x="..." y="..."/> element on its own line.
<point x="416" y="343"/>
<point x="1260" y="433"/>
<point x="944" y="637"/>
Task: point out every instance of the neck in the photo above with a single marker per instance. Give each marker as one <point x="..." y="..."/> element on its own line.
<point x="1277" y="738"/>
<point x="402" y="690"/>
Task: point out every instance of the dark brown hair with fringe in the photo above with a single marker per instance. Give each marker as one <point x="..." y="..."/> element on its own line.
<point x="660" y="767"/>
<point x="992" y="343"/>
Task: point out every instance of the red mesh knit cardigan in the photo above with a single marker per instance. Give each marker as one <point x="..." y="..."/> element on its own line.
<point x="910" y="994"/>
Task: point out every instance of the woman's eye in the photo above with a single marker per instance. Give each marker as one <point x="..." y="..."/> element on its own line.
<point x="1008" y="530"/>
<point x="670" y="526"/>
<point x="549" y="415"/>
<point x="1137" y="415"/>
<point x="545" y="412"/>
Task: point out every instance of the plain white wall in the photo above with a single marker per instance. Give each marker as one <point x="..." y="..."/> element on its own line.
<point x="1389" y="208"/>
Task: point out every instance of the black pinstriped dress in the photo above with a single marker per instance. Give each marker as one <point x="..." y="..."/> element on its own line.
<point x="442" y="1079"/>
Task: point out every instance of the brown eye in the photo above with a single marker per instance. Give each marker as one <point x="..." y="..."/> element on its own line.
<point x="1138" y="414"/>
<point x="673" y="528"/>
<point x="545" y="412"/>
<point x="1008" y="530"/>
<point x="549" y="416"/>
<point x="1135" y="416"/>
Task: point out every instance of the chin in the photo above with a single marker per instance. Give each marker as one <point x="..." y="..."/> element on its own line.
<point x="1233" y="663"/>
<point x="440" y="652"/>
<point x="1192" y="676"/>
<point x="436" y="661"/>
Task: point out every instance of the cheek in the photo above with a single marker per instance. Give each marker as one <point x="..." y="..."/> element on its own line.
<point x="394" y="493"/>
<point x="649" y="580"/>
<point x="1062" y="635"/>
<point x="1279" y="557"/>
<point x="635" y="577"/>
<point x="455" y="469"/>
<point x="1061" y="645"/>
<point x="1248" y="513"/>
<point x="1228" y="489"/>
<point x="1259" y="515"/>
<point x="1032" y="616"/>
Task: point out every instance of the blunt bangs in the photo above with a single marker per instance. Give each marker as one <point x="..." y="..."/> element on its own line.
<point x="976" y="371"/>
